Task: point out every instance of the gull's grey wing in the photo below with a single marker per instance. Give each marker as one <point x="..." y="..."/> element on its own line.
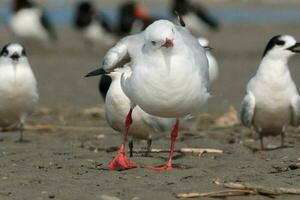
<point x="295" y="105"/>
<point x="124" y="48"/>
<point x="198" y="53"/>
<point x="247" y="109"/>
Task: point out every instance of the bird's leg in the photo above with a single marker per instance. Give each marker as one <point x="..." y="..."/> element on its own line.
<point x="261" y="138"/>
<point x="149" y="143"/>
<point x="121" y="161"/>
<point x="130" y="145"/>
<point x="174" y="134"/>
<point x="282" y="139"/>
<point x="1" y="130"/>
<point x="21" y="129"/>
<point x="148" y="147"/>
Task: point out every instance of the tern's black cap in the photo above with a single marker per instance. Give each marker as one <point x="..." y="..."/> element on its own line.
<point x="273" y="42"/>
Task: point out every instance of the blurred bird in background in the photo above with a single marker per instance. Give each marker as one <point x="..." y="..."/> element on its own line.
<point x="92" y="26"/>
<point x="198" y="20"/>
<point x="133" y="18"/>
<point x="30" y="21"/>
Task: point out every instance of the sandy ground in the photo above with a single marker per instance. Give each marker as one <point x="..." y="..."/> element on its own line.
<point x="71" y="163"/>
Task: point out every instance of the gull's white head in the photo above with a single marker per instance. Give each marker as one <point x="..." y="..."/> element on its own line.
<point x="13" y="53"/>
<point x="161" y="34"/>
<point x="281" y="47"/>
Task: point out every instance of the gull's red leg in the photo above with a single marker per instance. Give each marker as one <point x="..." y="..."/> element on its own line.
<point x="121" y="161"/>
<point x="168" y="165"/>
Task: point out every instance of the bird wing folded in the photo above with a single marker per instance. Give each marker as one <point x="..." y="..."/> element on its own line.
<point x="247" y="109"/>
<point x="295" y="105"/>
<point x="128" y="46"/>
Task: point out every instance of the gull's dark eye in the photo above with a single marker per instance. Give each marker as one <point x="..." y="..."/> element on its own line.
<point x="153" y="43"/>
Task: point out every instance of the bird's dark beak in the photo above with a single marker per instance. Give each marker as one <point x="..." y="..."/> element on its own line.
<point x="15" y="57"/>
<point x="208" y="48"/>
<point x="97" y="72"/>
<point x="168" y="43"/>
<point x="295" y="48"/>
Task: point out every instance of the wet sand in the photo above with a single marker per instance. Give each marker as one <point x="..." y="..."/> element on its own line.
<point x="71" y="164"/>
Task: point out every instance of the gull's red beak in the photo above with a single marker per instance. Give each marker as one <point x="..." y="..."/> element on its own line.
<point x="168" y="43"/>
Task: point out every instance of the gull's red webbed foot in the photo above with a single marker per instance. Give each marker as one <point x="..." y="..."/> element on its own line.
<point x="121" y="161"/>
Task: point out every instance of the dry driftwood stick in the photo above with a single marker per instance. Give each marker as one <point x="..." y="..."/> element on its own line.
<point x="225" y="193"/>
<point x="198" y="151"/>
<point x="240" y="189"/>
<point x="258" y="189"/>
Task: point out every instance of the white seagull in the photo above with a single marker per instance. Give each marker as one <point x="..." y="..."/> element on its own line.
<point x="30" y="21"/>
<point x="117" y="105"/>
<point x="212" y="62"/>
<point x="272" y="101"/>
<point x="18" y="87"/>
<point x="169" y="78"/>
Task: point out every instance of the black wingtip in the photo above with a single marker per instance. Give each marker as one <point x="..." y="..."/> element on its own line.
<point x="181" y="22"/>
<point x="96" y="72"/>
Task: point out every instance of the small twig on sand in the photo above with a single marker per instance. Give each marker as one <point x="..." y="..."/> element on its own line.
<point x="198" y="151"/>
<point x="268" y="191"/>
<point x="225" y="193"/>
<point x="241" y="189"/>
